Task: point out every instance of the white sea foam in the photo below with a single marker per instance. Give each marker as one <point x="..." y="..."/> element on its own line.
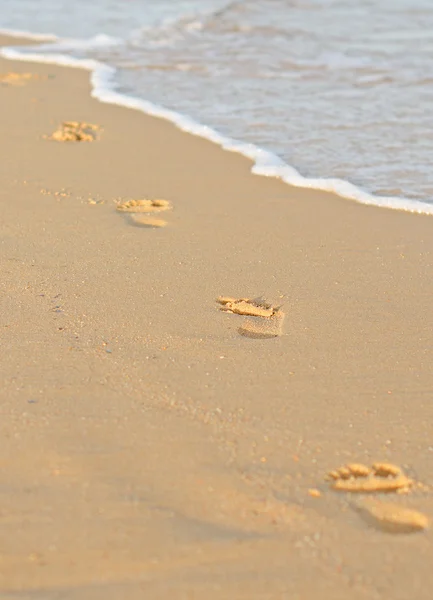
<point x="265" y="163"/>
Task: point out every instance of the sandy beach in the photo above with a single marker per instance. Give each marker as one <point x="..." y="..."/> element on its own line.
<point x="149" y="447"/>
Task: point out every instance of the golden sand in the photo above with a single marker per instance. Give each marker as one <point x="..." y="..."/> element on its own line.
<point x="134" y="418"/>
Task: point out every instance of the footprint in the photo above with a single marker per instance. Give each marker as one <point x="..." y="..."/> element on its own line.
<point x="17" y="78"/>
<point x="145" y="206"/>
<point x="135" y="207"/>
<point x="75" y="131"/>
<point x="268" y="319"/>
<point x="391" y="518"/>
<point x="381" y="477"/>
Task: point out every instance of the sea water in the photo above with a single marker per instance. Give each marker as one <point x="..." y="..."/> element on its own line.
<point x="318" y="92"/>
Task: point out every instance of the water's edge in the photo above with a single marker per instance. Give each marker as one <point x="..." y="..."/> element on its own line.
<point x="103" y="84"/>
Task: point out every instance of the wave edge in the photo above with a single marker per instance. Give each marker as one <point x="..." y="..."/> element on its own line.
<point x="266" y="163"/>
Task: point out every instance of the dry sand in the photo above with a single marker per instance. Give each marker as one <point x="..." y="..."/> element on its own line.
<point x="148" y="450"/>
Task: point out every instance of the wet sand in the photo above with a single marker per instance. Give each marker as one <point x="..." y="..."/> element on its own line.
<point x="148" y="449"/>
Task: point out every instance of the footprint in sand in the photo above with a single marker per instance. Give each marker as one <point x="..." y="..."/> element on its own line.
<point x="75" y="131"/>
<point x="16" y="79"/>
<point x="380" y="478"/>
<point x="266" y="320"/>
<point x="139" y="212"/>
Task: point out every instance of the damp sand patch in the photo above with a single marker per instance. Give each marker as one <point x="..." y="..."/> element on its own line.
<point x="75" y="131"/>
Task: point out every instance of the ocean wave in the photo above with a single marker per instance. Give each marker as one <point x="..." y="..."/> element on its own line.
<point x="171" y="30"/>
<point x="103" y="80"/>
<point x="95" y="42"/>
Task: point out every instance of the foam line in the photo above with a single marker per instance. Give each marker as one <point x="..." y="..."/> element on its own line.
<point x="265" y="163"/>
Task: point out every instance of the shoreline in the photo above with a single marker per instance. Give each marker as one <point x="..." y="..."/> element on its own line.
<point x="149" y="449"/>
<point x="265" y="163"/>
